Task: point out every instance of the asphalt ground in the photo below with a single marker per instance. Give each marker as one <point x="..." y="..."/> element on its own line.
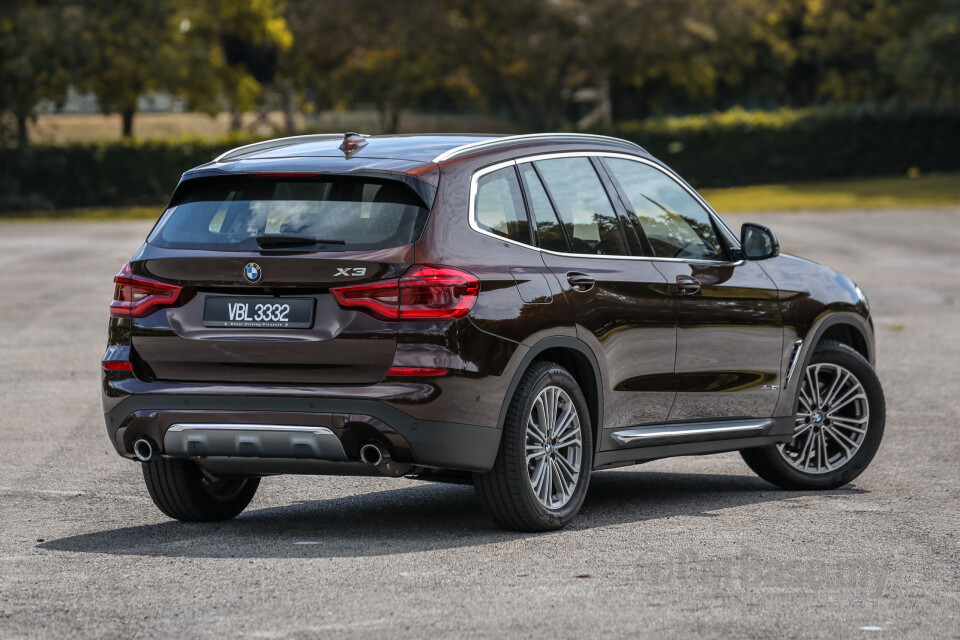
<point x="684" y="547"/>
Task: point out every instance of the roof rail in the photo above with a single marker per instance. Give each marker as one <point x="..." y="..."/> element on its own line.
<point x="276" y="143"/>
<point x="507" y="141"/>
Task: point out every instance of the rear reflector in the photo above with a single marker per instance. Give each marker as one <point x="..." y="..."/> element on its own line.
<point x="138" y="297"/>
<point x="287" y="175"/>
<point x="117" y="365"/>
<point x="425" y="292"/>
<point x="416" y="371"/>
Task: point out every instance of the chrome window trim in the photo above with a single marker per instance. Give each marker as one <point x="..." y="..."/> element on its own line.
<point x="472" y="218"/>
<point x="529" y="137"/>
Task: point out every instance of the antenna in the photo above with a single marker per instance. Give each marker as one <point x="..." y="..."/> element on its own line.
<point x="352" y="142"/>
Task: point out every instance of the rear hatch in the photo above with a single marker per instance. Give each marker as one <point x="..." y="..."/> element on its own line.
<point x="256" y="256"/>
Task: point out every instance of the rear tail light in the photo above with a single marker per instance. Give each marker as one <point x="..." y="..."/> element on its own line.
<point x="137" y="297"/>
<point x="425" y="292"/>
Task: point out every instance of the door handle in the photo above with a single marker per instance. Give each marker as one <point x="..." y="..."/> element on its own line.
<point x="688" y="285"/>
<point x="580" y="281"/>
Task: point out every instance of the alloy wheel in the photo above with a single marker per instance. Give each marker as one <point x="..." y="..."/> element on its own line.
<point x="554" y="448"/>
<point x="832" y="418"/>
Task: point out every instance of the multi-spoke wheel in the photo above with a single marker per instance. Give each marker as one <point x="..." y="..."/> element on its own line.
<point x="831" y="422"/>
<point x="554" y="447"/>
<point x="838" y="425"/>
<point x="540" y="477"/>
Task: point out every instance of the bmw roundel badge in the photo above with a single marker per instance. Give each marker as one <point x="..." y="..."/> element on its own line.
<point x="252" y="272"/>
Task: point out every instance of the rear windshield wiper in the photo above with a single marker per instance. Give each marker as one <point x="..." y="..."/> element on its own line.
<point x="268" y="240"/>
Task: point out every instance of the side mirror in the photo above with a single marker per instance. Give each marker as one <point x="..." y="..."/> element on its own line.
<point x="758" y="242"/>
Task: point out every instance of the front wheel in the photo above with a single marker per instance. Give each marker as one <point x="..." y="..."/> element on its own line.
<point x="540" y="477"/>
<point x="838" y="424"/>
<point x="184" y="491"/>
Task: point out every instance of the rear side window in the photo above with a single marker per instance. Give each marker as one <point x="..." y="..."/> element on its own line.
<point x="584" y="208"/>
<point x="674" y="222"/>
<point x="229" y="213"/>
<point x="499" y="205"/>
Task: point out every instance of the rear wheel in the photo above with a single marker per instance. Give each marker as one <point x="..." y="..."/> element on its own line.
<point x="540" y="477"/>
<point x="184" y="491"/>
<point x="838" y="424"/>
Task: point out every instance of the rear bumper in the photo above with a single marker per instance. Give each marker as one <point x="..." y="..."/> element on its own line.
<point x="352" y="422"/>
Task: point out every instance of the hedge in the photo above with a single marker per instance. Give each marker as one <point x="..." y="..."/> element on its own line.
<point x="97" y="174"/>
<point x="735" y="147"/>
<point x="740" y="147"/>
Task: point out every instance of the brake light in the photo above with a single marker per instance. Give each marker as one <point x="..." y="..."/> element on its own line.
<point x="137" y="297"/>
<point x="425" y="292"/>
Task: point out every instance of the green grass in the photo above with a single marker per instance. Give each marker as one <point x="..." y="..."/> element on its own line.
<point x="934" y="190"/>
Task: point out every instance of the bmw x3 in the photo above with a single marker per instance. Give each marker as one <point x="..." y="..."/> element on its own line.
<point x="513" y="312"/>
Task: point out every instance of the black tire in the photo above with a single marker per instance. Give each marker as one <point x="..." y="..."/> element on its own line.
<point x="506" y="491"/>
<point x="768" y="463"/>
<point x="183" y="491"/>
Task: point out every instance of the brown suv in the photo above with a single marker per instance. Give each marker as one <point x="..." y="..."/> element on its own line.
<point x="512" y="311"/>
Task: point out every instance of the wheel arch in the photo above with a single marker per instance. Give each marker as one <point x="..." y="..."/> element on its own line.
<point x="848" y="328"/>
<point x="577" y="358"/>
<point x="847" y="333"/>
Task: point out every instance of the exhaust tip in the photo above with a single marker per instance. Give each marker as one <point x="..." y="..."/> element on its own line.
<point x="144" y="450"/>
<point x="373" y="454"/>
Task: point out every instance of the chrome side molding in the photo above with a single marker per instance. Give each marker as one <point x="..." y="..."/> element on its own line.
<point x="635" y="435"/>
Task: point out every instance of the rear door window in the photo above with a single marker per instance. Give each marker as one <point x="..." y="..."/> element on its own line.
<point x="229" y="213"/>
<point x="549" y="232"/>
<point x="584" y="208"/>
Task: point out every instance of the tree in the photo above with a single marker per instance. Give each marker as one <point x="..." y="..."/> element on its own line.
<point x="527" y="55"/>
<point x="199" y="51"/>
<point x="924" y="62"/>
<point x="809" y="51"/>
<point x="36" y="55"/>
<point x="130" y="48"/>
<point x="387" y="54"/>
<point x="535" y="57"/>
<point x="242" y="41"/>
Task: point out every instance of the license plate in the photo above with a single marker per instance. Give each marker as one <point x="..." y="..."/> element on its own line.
<point x="259" y="313"/>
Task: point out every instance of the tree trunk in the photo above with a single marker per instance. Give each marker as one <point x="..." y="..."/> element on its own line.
<point x="126" y="116"/>
<point x="23" y="135"/>
<point x="288" y="102"/>
<point x="393" y="121"/>
<point x="236" y="119"/>
<point x="382" y="116"/>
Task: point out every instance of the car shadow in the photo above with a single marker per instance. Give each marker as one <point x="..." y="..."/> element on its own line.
<point x="431" y="516"/>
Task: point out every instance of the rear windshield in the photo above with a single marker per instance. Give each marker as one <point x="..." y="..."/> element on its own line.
<point x="229" y="213"/>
